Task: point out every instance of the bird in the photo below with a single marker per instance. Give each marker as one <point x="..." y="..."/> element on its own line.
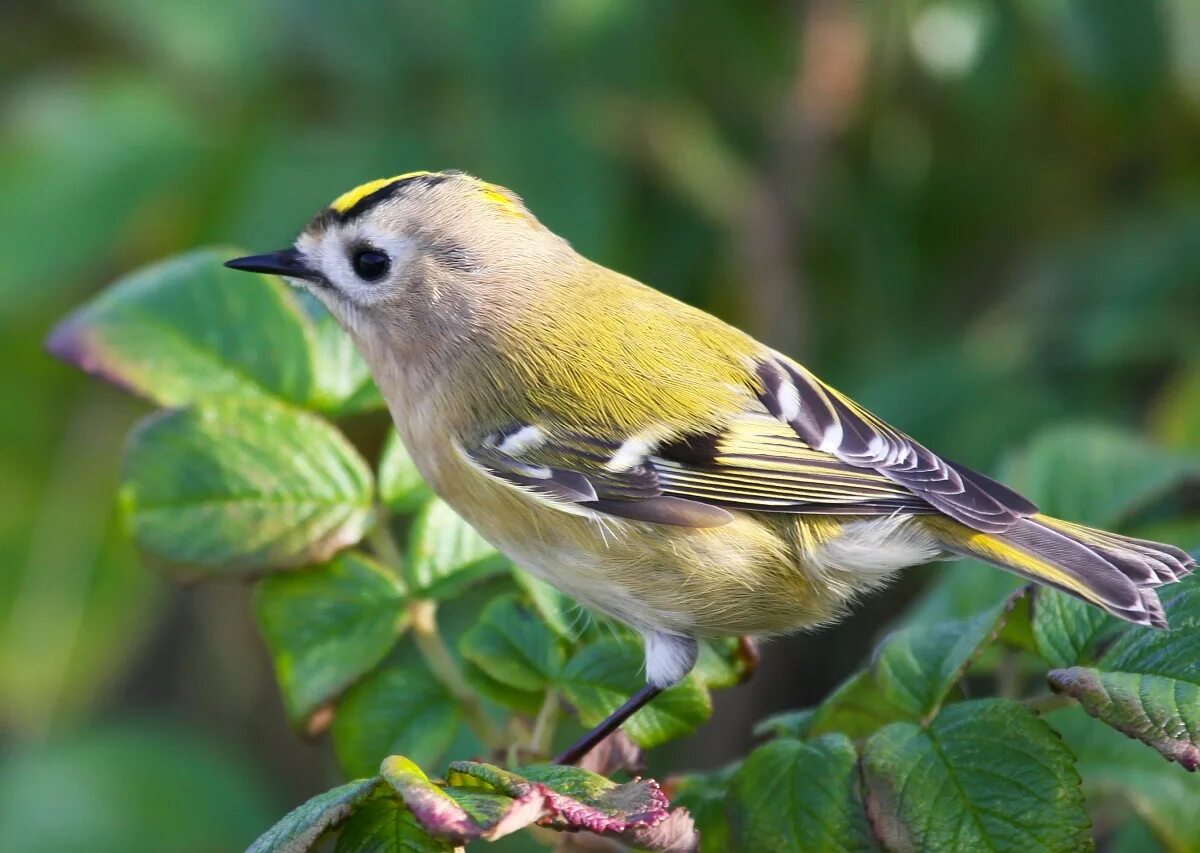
<point x="648" y="459"/>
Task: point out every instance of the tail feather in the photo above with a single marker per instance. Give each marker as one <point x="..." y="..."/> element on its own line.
<point x="1116" y="573"/>
<point x="1165" y="563"/>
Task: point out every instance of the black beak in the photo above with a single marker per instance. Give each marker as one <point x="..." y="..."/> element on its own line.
<point x="286" y="262"/>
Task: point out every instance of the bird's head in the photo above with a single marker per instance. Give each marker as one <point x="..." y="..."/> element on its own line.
<point x="421" y="248"/>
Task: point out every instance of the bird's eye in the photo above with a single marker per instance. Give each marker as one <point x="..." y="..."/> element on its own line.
<point x="370" y="264"/>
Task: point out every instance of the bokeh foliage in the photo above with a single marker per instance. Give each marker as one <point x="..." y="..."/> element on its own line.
<point x="979" y="218"/>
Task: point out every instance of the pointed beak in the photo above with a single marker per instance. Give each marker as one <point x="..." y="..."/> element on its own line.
<point x="286" y="262"/>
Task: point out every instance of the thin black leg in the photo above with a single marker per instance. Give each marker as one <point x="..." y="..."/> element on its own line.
<point x="609" y="725"/>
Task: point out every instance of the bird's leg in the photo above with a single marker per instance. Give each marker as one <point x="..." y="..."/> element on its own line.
<point x="609" y="725"/>
<point x="669" y="657"/>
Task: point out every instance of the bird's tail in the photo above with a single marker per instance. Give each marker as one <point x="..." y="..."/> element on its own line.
<point x="1118" y="574"/>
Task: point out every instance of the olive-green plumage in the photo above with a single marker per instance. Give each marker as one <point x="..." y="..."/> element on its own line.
<point x="645" y="457"/>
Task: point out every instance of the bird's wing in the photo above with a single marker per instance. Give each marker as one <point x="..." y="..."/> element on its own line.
<point x="754" y="462"/>
<point x="837" y="426"/>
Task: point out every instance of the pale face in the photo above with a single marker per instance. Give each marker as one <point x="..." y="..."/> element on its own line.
<point x="362" y="262"/>
<point x="412" y="256"/>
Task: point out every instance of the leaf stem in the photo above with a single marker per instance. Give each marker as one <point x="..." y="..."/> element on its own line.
<point x="1044" y="703"/>
<point x="542" y="738"/>
<point x="383" y="543"/>
<point x="445" y="669"/>
<point x="1008" y="677"/>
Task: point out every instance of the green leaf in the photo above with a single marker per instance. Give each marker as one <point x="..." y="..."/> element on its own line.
<point x="401" y="487"/>
<point x="912" y="673"/>
<point x="1163" y="713"/>
<point x="793" y="724"/>
<point x="525" y="701"/>
<point x="857" y="707"/>
<point x="722" y="662"/>
<point x="232" y="484"/>
<point x="398" y="708"/>
<point x="1096" y="475"/>
<point x="342" y="382"/>
<point x="461" y="813"/>
<point x="512" y="645"/>
<point x="574" y="799"/>
<point x="1111" y="764"/>
<point x="328" y="626"/>
<point x="706" y="797"/>
<point x="601" y="676"/>
<point x="916" y="667"/>
<point x="300" y="829"/>
<point x="1174" y="653"/>
<point x="1150" y="684"/>
<point x="795" y="796"/>
<point x="189" y="328"/>
<point x="1066" y="630"/>
<point x="447" y="554"/>
<point x="384" y="826"/>
<point x="563" y="614"/>
<point x="985" y="775"/>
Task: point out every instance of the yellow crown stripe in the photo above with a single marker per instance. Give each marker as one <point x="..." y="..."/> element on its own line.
<point x="352" y="197"/>
<point x="502" y="199"/>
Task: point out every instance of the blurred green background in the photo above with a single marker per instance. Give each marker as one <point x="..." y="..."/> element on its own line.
<point x="978" y="218"/>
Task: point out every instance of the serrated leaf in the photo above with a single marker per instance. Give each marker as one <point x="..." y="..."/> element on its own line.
<point x="398" y="708"/>
<point x="328" y="626"/>
<point x="790" y="795"/>
<point x="1066" y="630"/>
<point x="230" y="485"/>
<point x="602" y="675"/>
<point x="188" y="328"/>
<point x="1149" y="686"/>
<point x="512" y="645"/>
<point x="1167" y="798"/>
<point x="341" y="382"/>
<point x="615" y="753"/>
<point x="1163" y="713"/>
<point x="916" y="667"/>
<point x="676" y="833"/>
<point x="984" y="775"/>
<point x="401" y="487"/>
<point x="575" y="798"/>
<point x="386" y="826"/>
<point x="638" y="802"/>
<point x="461" y="813"/>
<point x="1174" y="653"/>
<point x="1095" y="475"/>
<point x="447" y="554"/>
<point x="300" y="828"/>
